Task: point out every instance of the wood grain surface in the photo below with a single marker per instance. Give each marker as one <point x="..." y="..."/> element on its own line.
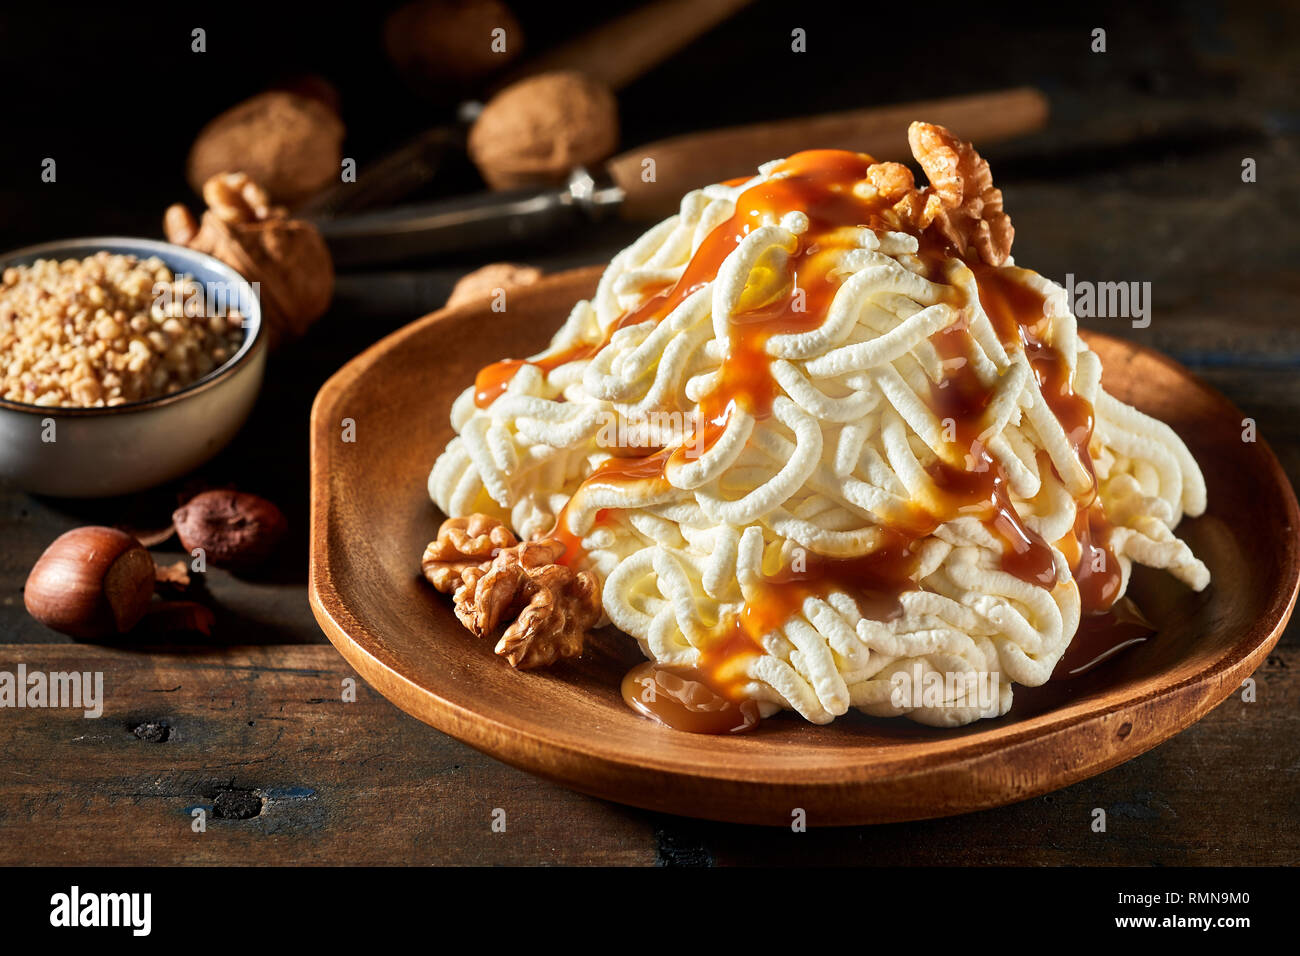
<point x="356" y="783"/>
<point x="1137" y="177"/>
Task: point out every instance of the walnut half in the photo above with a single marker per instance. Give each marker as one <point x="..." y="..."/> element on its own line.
<point x="463" y="543"/>
<point x="552" y="606"/>
<point x="970" y="215"/>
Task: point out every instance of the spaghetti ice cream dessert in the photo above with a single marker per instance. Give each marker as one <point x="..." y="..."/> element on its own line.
<point x="816" y="443"/>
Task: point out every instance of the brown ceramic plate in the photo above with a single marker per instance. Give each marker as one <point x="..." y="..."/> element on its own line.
<point x="371" y="518"/>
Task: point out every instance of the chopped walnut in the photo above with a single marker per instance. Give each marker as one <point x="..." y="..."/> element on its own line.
<point x="969" y="212"/>
<point x="175" y="576"/>
<point x="464" y="543"/>
<point x="892" y="181"/>
<point x="919" y="208"/>
<point x="553" y="605"/>
<point x="105" y="330"/>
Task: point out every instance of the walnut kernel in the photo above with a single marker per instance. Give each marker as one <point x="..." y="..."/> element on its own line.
<point x="551" y="607"/>
<point x="463" y="543"/>
<point x="970" y="214"/>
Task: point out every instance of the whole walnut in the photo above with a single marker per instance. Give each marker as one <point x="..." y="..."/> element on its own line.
<point x="290" y="144"/>
<point x="286" y="257"/>
<point x="486" y="279"/>
<point x="313" y="86"/>
<point x="445" y="47"/>
<point x="535" y="131"/>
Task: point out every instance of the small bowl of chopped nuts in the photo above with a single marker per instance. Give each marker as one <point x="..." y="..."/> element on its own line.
<point x="123" y="363"/>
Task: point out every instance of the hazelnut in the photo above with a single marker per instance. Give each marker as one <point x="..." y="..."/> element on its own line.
<point x="495" y="275"/>
<point x="235" y="529"/>
<point x="535" y="131"/>
<point x="444" y="47"/>
<point x="91" y="583"/>
<point x="289" y="144"/>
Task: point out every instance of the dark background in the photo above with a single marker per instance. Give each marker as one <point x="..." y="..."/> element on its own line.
<point x="116" y="96"/>
<point x="1136" y="178"/>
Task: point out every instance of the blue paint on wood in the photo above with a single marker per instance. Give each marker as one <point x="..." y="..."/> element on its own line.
<point x="289" y="793"/>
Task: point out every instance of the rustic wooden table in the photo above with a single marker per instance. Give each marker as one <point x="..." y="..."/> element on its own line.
<point x="1139" y="178"/>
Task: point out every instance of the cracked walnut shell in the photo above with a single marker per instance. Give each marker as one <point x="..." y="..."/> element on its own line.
<point x="286" y="258"/>
<point x="552" y="605"/>
<point x="463" y="543"/>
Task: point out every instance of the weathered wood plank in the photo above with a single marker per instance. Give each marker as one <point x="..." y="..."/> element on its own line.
<point x="263" y="730"/>
<point x="348" y="783"/>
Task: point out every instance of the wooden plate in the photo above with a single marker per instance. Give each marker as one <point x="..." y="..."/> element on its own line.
<point x="371" y="518"/>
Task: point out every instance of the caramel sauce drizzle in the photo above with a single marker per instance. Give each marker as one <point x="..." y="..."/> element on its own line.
<point x="1020" y="312"/>
<point x="1106" y="625"/>
<point x="491" y="381"/>
<point x="708" y="698"/>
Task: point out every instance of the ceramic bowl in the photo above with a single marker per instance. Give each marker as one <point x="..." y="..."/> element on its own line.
<point x="98" y="452"/>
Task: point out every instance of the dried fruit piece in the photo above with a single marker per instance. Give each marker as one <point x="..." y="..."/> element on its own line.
<point x="552" y="605"/>
<point x="234" y="529"/>
<point x="971" y="215"/>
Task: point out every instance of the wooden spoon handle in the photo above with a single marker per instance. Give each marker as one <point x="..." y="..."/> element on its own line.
<point x="618" y="52"/>
<point x="687" y="162"/>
